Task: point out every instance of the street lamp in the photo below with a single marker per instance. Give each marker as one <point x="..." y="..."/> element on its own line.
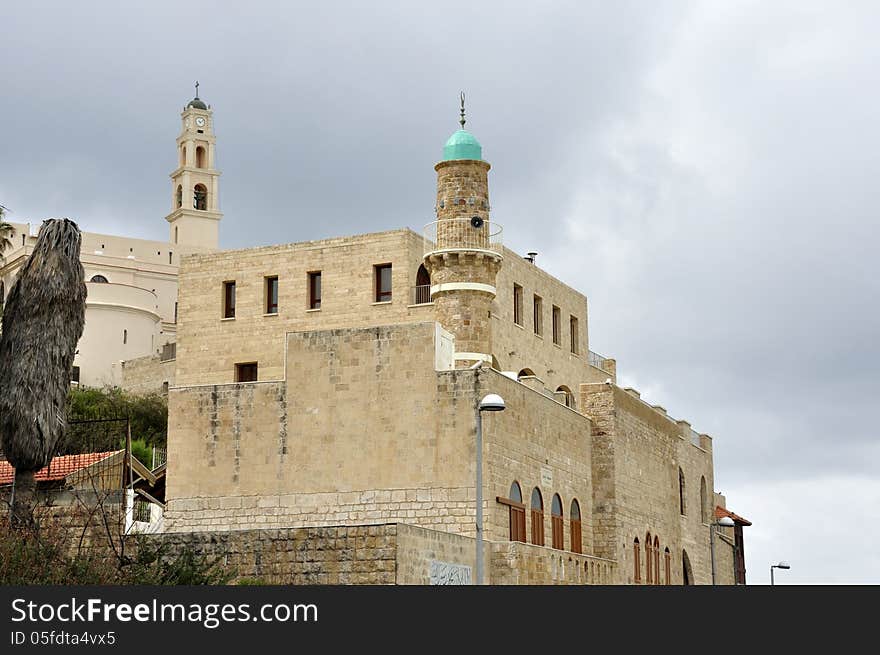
<point x="781" y="565"/>
<point x="490" y="403"/>
<point x="724" y="522"/>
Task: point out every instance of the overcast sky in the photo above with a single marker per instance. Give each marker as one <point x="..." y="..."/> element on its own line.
<point x="706" y="172"/>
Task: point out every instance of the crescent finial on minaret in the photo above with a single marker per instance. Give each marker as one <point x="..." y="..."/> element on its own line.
<point x="462" y="119"/>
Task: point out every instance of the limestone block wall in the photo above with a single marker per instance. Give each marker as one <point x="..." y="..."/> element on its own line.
<point x="147" y="374"/>
<point x="360" y="554"/>
<point x="209" y="346"/>
<point x="367" y="431"/>
<point x="80" y="520"/>
<point x="522" y="564"/>
<point x="517" y="347"/>
<point x="380" y="553"/>
<point x="418" y="547"/>
<point x="638" y="450"/>
<point x="537" y="442"/>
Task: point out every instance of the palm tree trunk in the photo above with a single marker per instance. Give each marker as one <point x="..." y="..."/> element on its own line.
<point x="24" y="493"/>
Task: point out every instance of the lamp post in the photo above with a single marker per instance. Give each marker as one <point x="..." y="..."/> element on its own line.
<point x="724" y="522"/>
<point x="781" y="565"/>
<point x="490" y="403"/>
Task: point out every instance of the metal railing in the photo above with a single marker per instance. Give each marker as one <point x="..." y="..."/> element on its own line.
<point x="596" y="360"/>
<point x="455" y="234"/>
<point x="160" y="456"/>
<point x="421" y="294"/>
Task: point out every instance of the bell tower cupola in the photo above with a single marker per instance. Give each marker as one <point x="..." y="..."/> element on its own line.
<point x="195" y="209"/>
<point x="463" y="250"/>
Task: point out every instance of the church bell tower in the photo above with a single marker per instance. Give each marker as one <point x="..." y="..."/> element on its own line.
<point x="195" y="211"/>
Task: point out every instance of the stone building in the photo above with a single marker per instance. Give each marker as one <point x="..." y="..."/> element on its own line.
<point x="131" y="307"/>
<point x="325" y="394"/>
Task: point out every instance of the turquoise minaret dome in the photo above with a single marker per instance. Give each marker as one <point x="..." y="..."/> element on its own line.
<point x="462" y="144"/>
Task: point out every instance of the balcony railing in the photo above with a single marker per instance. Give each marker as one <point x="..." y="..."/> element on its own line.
<point x="596" y="360"/>
<point x="457" y="234"/>
<point x="421" y="294"/>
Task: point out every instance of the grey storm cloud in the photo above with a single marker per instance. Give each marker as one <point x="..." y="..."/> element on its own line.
<point x="704" y="172"/>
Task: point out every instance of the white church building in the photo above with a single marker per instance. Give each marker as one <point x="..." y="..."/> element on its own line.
<point x="131" y="307"/>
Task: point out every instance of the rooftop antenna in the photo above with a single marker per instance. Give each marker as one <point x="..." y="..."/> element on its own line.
<point x="462" y="119"/>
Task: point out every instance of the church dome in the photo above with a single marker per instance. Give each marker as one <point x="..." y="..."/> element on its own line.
<point x="462" y="145"/>
<point x="196" y="103"/>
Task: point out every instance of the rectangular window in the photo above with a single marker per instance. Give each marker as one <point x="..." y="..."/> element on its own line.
<point x="538" y="312"/>
<point x="517" y="304"/>
<point x="175" y="312"/>
<point x="383" y="282"/>
<point x="315" y="290"/>
<point x="272" y="294"/>
<point x="573" y="328"/>
<point x="246" y="372"/>
<point x="74" y="374"/>
<point x="229" y="299"/>
<point x="557" y="329"/>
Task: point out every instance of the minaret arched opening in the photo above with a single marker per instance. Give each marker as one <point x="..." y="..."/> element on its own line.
<point x="183" y="155"/>
<point x="200" y="157"/>
<point x="179" y="196"/>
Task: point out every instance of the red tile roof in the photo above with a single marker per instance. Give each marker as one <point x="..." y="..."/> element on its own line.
<point x="58" y="469"/>
<point x="720" y="513"/>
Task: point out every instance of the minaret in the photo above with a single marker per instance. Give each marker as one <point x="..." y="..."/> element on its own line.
<point x="466" y="252"/>
<point x="195" y="211"/>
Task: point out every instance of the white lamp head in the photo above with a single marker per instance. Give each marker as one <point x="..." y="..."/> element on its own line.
<point x="726" y="522"/>
<point x="783" y="565"/>
<point x="492" y="403"/>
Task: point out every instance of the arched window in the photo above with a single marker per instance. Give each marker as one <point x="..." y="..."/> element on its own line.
<point x="537" y="506"/>
<point x="574" y="520"/>
<point x="557" y="528"/>
<point x="179" y="196"/>
<point x="99" y="279"/>
<point x="183" y="156"/>
<point x="175" y="234"/>
<point x="517" y="512"/>
<point x="200" y="197"/>
<point x="526" y="372"/>
<point x="687" y="575"/>
<point x="681" y="503"/>
<point x="637" y="562"/>
<point x="648" y="559"/>
<point x="668" y="560"/>
<point x="200" y="157"/>
<point x="656" y="559"/>
<point x="124" y="336"/>
<point x="423" y="286"/>
<point x="704" y="501"/>
<point x="567" y="395"/>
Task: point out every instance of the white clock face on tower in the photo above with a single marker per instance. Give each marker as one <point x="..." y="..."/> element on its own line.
<point x="200" y="121"/>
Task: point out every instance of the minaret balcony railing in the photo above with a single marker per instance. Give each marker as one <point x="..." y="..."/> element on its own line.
<point x="462" y="235"/>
